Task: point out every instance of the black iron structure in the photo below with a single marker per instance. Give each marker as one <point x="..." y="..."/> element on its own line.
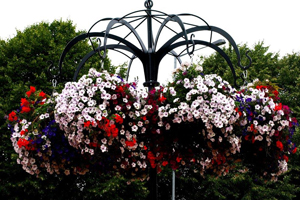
<point x="152" y="54"/>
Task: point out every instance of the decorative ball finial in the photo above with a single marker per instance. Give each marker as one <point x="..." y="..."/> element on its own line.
<point x="148" y="4"/>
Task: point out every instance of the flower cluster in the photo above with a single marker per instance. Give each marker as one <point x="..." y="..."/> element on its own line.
<point x="101" y="115"/>
<point x="36" y="139"/>
<point x="266" y="127"/>
<point x="194" y="123"/>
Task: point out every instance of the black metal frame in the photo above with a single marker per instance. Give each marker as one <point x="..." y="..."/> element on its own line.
<point x="151" y="56"/>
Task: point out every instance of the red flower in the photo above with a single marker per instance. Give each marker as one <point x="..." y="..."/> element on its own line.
<point x="43" y="95"/>
<point x="279" y="107"/>
<point x="252" y="127"/>
<point x="24" y="102"/>
<point x="87" y="124"/>
<point x="161" y="99"/>
<point x="178" y="159"/>
<point x="12" y="116"/>
<point x="22" y="142"/>
<point x="285" y="158"/>
<point x="28" y="93"/>
<point x="93" y="144"/>
<point x="279" y="145"/>
<point x="25" y="109"/>
<point x="151" y="159"/>
<point x="118" y="119"/>
<point x="275" y="92"/>
<point x="115" y="131"/>
<point x="247" y="137"/>
<point x="32" y="89"/>
<point x="294" y="151"/>
<point x="130" y="143"/>
<point x="23" y="132"/>
<point x="165" y="163"/>
<point x="261" y="87"/>
<point x="120" y="89"/>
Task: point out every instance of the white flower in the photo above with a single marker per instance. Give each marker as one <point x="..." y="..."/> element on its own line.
<point x="103" y="148"/>
<point x="134" y="128"/>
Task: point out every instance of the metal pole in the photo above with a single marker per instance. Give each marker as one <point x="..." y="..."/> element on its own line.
<point x="173" y="171"/>
<point x="173" y="184"/>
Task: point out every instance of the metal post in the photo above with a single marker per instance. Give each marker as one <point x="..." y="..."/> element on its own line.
<point x="173" y="171"/>
<point x="173" y="184"/>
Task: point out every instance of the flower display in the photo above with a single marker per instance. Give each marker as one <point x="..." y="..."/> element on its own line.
<point x="266" y="127"/>
<point x="197" y="122"/>
<point x="40" y="146"/>
<point x="101" y="115"/>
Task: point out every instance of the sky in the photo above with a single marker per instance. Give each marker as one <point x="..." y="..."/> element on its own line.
<point x="273" y="21"/>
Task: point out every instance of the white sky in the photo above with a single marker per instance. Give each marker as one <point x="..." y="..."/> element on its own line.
<point x="276" y="22"/>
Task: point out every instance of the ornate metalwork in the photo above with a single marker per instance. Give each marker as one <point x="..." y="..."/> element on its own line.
<point x="151" y="55"/>
<point x="116" y="36"/>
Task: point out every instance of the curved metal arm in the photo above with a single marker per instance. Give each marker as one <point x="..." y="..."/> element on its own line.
<point x="91" y="53"/>
<point x="129" y="66"/>
<point x="217" y="30"/>
<point x="122" y="21"/>
<point x="81" y="37"/>
<point x="180" y="23"/>
<point x="163" y="52"/>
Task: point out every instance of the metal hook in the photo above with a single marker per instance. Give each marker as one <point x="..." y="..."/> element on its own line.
<point x="250" y="61"/>
<point x="99" y="45"/>
<point x="193" y="47"/>
<point x="52" y="68"/>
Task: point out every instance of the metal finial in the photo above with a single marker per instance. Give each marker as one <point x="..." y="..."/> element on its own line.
<point x="148" y="4"/>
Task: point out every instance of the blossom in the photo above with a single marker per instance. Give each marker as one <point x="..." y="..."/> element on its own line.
<point x="162" y="98"/>
<point x="31" y="91"/>
<point x="118" y="119"/>
<point x="12" y="116"/>
<point x="279" y="145"/>
<point x="43" y="95"/>
<point x="25" y="109"/>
